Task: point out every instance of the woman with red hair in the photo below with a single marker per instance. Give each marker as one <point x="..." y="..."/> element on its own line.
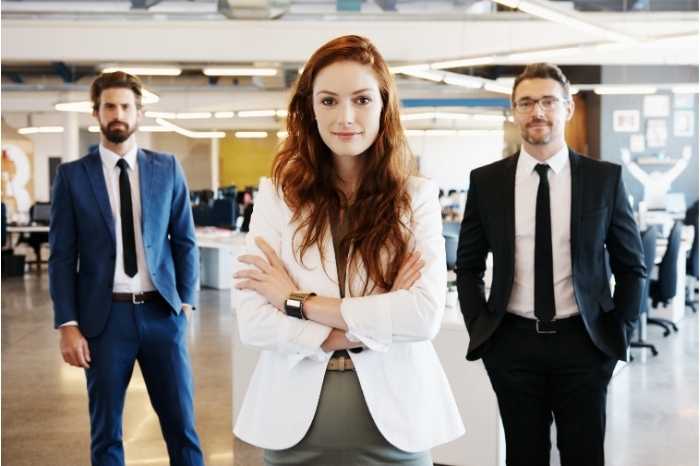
<point x="345" y="280"/>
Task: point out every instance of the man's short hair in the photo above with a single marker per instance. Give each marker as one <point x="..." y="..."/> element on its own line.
<point x="112" y="80"/>
<point x="543" y="71"/>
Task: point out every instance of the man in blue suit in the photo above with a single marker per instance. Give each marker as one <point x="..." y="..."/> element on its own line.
<point x="123" y="275"/>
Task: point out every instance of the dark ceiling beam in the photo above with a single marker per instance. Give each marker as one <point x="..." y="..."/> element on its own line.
<point x="64" y="71"/>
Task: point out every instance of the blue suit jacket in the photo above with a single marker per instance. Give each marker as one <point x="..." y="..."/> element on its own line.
<point x="82" y="238"/>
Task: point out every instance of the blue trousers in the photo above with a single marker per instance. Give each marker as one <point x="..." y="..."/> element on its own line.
<point x="152" y="334"/>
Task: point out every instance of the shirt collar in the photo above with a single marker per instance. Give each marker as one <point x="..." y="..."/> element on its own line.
<point x="110" y="159"/>
<point x="557" y="162"/>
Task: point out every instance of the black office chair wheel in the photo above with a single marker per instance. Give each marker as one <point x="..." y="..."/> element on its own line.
<point x="674" y="327"/>
<point x="654" y="352"/>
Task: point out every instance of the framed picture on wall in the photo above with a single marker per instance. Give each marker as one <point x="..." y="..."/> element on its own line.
<point x="683" y="100"/>
<point x="657" y="132"/>
<point x="683" y="123"/>
<point x="626" y="121"/>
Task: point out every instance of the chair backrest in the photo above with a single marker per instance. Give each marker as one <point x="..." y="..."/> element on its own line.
<point x="668" y="269"/>
<point x="224" y="213"/>
<point x="451" y="242"/>
<point x="649" y="245"/>
<point x="691" y="218"/>
<point x="40" y="213"/>
<point x="4" y="225"/>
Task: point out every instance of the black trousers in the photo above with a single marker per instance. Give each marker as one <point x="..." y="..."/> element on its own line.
<point x="538" y="377"/>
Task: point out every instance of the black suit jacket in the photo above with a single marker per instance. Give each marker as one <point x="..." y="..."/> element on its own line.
<point x="600" y="217"/>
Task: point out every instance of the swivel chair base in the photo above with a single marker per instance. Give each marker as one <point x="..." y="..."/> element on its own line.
<point x="665" y="323"/>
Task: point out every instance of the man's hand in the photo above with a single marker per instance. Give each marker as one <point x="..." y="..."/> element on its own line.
<point x="74" y="347"/>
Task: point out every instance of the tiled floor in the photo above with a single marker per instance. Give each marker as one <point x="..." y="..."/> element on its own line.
<point x="652" y="411"/>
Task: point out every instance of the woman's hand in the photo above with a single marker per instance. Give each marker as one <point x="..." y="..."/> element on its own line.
<point x="269" y="278"/>
<point x="337" y="341"/>
<point x="409" y="272"/>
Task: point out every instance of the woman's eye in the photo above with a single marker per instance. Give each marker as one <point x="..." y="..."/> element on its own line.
<point x="327" y="101"/>
<point x="363" y="100"/>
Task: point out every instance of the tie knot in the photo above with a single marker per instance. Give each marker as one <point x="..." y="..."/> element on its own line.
<point x="541" y="169"/>
<point x="123" y="164"/>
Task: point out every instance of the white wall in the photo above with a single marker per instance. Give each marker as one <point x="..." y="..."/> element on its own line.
<point x="448" y="160"/>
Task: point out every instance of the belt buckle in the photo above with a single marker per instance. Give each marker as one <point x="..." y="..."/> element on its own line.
<point x="341" y="364"/>
<point x="543" y="330"/>
<point x="133" y="298"/>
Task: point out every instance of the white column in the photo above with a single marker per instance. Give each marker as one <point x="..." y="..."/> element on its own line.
<point x="71" y="137"/>
<point x="214" y="164"/>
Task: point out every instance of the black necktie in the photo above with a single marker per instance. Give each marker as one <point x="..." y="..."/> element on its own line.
<point x="544" y="274"/>
<point x="127" y="215"/>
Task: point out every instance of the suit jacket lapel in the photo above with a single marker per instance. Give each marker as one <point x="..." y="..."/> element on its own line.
<point x="509" y="206"/>
<point x="145" y="182"/>
<point x="93" y="166"/>
<point x="576" y="198"/>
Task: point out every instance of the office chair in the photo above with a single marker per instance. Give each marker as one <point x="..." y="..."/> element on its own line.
<point x="663" y="290"/>
<point x="649" y="244"/>
<point x="691" y="265"/>
<point x="224" y="213"/>
<point x="40" y="214"/>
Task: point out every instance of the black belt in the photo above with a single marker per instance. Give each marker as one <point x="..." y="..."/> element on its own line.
<point x="545" y="328"/>
<point x="136" y="298"/>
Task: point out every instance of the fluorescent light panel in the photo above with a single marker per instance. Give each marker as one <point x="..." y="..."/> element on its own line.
<point x="189" y="133"/>
<point x="624" y="90"/>
<point x="214" y="71"/>
<point x="145" y="70"/>
<point x="40" y="130"/>
<point x="251" y="134"/>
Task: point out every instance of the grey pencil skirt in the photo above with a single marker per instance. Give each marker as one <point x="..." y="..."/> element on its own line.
<point x="343" y="433"/>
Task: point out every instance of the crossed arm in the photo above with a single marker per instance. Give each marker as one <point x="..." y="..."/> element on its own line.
<point x="269" y="278"/>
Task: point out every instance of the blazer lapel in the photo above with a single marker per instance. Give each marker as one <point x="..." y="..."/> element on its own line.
<point x="93" y="166"/>
<point x="576" y="198"/>
<point x="145" y="183"/>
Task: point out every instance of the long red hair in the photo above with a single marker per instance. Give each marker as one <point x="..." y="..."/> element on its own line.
<point x="303" y="170"/>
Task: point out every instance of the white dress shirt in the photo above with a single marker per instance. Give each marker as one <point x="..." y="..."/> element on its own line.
<point x="522" y="297"/>
<point x="122" y="282"/>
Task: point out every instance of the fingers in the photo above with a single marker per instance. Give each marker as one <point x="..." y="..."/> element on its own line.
<point x="270" y="253"/>
<point x="256" y="261"/>
<point x="82" y="355"/>
<point x="247" y="285"/>
<point x="250" y="274"/>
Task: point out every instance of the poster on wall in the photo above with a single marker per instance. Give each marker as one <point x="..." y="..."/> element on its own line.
<point x="656" y="106"/>
<point x="657" y="133"/>
<point x="683" y="100"/>
<point x="637" y="143"/>
<point x="626" y="121"/>
<point x="683" y="123"/>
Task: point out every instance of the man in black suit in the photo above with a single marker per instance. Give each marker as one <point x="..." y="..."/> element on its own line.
<point x="550" y="332"/>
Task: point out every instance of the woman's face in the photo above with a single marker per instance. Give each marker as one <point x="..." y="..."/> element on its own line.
<point x="347" y="107"/>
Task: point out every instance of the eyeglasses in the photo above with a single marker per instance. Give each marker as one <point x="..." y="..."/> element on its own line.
<point x="528" y="105"/>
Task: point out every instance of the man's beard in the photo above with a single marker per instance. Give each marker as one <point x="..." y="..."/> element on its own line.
<point x="117" y="132"/>
<point x="541" y="140"/>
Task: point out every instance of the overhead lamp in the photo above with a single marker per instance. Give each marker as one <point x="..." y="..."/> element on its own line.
<point x="545" y="54"/>
<point x="250" y="134"/>
<point x="218" y="71"/>
<point x="148" y="97"/>
<point x="474" y="61"/>
<point x="436" y="76"/>
<point x="40" y="130"/>
<point x="545" y="10"/>
<point x="624" y="90"/>
<point x="189" y="133"/>
<point x="463" y="80"/>
<point x="282" y="113"/>
<point x="81" y="107"/>
<point x="168" y="115"/>
<point x="256" y="113"/>
<point x="224" y="114"/>
<point x="408" y="68"/>
<point x="282" y="134"/>
<point x="493" y="86"/>
<point x="145" y="70"/>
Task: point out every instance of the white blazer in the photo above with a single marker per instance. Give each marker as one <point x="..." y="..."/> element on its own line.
<point x="403" y="383"/>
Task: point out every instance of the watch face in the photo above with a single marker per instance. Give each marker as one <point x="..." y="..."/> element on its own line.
<point x="292" y="304"/>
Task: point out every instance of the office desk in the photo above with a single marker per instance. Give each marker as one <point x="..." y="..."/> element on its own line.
<point x="218" y="249"/>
